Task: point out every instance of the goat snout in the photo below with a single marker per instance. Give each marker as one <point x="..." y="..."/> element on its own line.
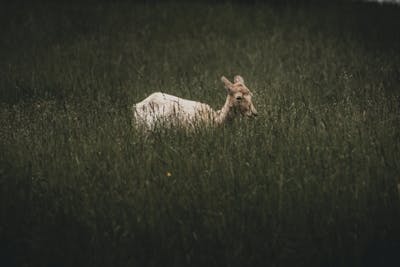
<point x="254" y="111"/>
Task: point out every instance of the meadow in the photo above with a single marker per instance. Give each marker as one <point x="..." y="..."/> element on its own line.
<point x="314" y="180"/>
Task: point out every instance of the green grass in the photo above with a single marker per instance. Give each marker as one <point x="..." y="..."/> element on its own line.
<point x="313" y="181"/>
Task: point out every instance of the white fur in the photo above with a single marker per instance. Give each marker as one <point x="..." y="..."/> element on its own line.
<point x="168" y="110"/>
<point x="164" y="108"/>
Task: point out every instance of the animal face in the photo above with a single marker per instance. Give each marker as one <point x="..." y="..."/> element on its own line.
<point x="240" y="96"/>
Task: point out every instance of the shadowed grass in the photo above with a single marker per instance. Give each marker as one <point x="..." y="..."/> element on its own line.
<point x="313" y="181"/>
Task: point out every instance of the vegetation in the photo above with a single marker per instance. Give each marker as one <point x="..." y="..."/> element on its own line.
<point x="312" y="181"/>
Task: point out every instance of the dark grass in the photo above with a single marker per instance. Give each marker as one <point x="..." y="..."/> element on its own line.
<point x="313" y="181"/>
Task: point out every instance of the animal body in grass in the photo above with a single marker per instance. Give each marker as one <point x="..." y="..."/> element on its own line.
<point x="172" y="111"/>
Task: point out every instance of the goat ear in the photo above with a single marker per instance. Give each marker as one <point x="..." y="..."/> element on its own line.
<point x="238" y="79"/>
<point x="226" y="82"/>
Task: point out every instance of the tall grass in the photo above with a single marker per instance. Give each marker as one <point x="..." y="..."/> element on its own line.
<point x="313" y="181"/>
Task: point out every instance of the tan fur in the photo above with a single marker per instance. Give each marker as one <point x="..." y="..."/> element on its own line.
<point x="168" y="110"/>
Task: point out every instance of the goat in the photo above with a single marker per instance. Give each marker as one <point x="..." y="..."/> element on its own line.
<point x="175" y="111"/>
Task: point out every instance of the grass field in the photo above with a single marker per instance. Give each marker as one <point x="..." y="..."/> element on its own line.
<point x="312" y="181"/>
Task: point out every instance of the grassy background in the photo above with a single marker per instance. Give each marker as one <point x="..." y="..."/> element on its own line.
<point x="313" y="181"/>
